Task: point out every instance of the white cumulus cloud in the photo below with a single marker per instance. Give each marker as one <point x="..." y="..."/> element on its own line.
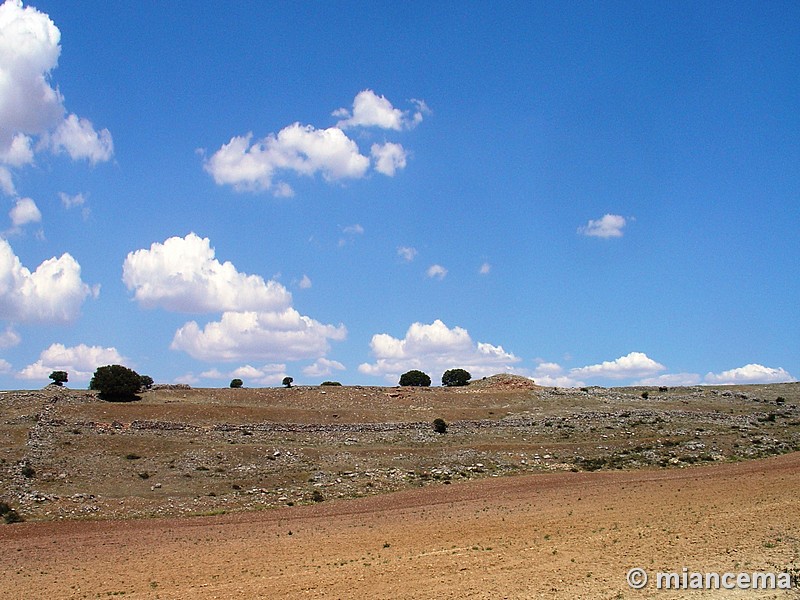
<point x="250" y="335"/>
<point x="371" y="110"/>
<point x="300" y="149"/>
<point x="323" y="367"/>
<point x="752" y="373"/>
<point x="183" y="275"/>
<point x="53" y="293"/>
<point x="258" y="165"/>
<point x="9" y="338"/>
<point x="635" y="364"/>
<point x="609" y="226"/>
<point x="671" y="379"/>
<point x="29" y="105"/>
<point x="80" y="362"/>
<point x="24" y="212"/>
<point x="389" y="157"/>
<point x="77" y="137"/>
<point x="552" y="375"/>
<point x="434" y="348"/>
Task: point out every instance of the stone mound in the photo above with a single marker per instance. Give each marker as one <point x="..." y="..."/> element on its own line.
<point x="503" y="381"/>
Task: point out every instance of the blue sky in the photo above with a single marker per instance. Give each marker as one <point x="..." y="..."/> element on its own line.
<point x="582" y="193"/>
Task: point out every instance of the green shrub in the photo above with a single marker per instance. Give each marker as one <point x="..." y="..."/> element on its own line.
<point x="116" y="383"/>
<point x="415" y="378"/>
<point x="236" y="383"/>
<point x="439" y="426"/>
<point x="645" y="395"/>
<point x="330" y="383"/>
<point x="287" y="381"/>
<point x="455" y="377"/>
<point x="317" y="496"/>
<point x="28" y="471"/>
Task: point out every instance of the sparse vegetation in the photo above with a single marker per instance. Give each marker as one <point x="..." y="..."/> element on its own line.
<point x="287" y="381"/>
<point x="439" y="425"/>
<point x="8" y="514"/>
<point x="331" y="383"/>
<point x="455" y="377"/>
<point x="415" y="378"/>
<point x="236" y="383"/>
<point x="145" y="383"/>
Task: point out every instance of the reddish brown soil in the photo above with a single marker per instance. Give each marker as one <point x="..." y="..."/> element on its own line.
<point x="559" y="535"/>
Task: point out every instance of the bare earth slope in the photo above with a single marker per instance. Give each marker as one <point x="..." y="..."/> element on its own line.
<point x="556" y="535"/>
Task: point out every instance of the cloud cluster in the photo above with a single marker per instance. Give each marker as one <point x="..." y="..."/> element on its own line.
<point x="257" y="321"/>
<point x="29" y="106"/>
<point x="278" y="335"/>
<point x="80" y="362"/>
<point x="434" y="348"/>
<point x="608" y="226"/>
<point x="53" y="293"/>
<point x="255" y="165"/>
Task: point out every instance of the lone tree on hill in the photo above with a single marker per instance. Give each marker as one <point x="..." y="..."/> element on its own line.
<point x="456" y="377"/>
<point x="236" y="383"/>
<point x="287" y="381"/>
<point x="415" y="378"/>
<point x="116" y="383"/>
<point x="59" y="377"/>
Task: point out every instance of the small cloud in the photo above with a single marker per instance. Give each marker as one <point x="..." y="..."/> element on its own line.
<point x="78" y="200"/>
<point x="671" y="379"/>
<point x="354" y="229"/>
<point x="609" y="226"/>
<point x="371" y="110"/>
<point x="68" y="201"/>
<point x="9" y="338"/>
<point x="635" y="364"/>
<point x="305" y="283"/>
<point x="350" y="232"/>
<point x="389" y="157"/>
<point x="436" y="272"/>
<point x="24" y="212"/>
<point x="323" y="367"/>
<point x="407" y="253"/>
<point x="485" y="269"/>
<point x="77" y="137"/>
